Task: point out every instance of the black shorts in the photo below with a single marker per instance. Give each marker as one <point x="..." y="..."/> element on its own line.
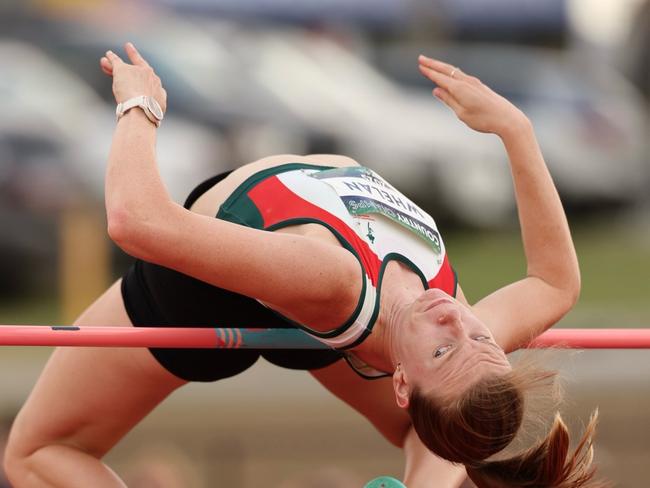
<point x="155" y="296"/>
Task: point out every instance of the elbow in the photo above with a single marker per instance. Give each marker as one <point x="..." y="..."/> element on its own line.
<point x="128" y="231"/>
<point x="574" y="292"/>
<point x="573" y="287"/>
<point x="139" y="231"/>
<point x="119" y="221"/>
<point x="565" y="284"/>
<point x="569" y="294"/>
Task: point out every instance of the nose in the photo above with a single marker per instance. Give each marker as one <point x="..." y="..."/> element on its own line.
<point x="451" y="318"/>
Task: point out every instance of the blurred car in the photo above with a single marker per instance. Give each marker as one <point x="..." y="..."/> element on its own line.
<point x="33" y="182"/>
<point x="634" y="53"/>
<point x="55" y="134"/>
<point x="407" y="136"/>
<point x="204" y="79"/>
<point x="361" y="13"/>
<point x="289" y="90"/>
<point x="590" y="122"/>
<point x="76" y="116"/>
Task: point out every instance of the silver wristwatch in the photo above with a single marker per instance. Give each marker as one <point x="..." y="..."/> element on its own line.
<point x="149" y="105"/>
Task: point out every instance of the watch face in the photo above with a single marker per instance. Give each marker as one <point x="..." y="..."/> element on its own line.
<point x="154" y="107"/>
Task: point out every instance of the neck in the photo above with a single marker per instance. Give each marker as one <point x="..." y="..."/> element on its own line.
<point x="399" y="289"/>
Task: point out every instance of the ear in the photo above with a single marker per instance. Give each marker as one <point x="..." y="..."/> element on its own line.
<point x="401" y="387"/>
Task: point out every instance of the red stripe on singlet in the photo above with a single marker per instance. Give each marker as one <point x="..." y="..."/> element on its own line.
<point x="277" y="203"/>
<point x="445" y="280"/>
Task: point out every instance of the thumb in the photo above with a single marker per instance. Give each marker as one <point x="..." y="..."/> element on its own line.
<point x="106" y="66"/>
<point x="114" y="59"/>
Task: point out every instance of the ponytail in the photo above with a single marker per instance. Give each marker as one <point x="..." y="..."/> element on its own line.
<point x="545" y="465"/>
<point x="482" y="429"/>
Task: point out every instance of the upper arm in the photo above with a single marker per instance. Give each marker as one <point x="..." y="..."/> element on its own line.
<point x="298" y="275"/>
<point x="522" y="310"/>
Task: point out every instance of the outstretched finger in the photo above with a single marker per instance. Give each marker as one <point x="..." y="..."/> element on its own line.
<point x="135" y="57"/>
<point x="106" y="66"/>
<point x="440" y="66"/>
<point x="440" y="79"/>
<point x="447" y="98"/>
<point x="113" y="58"/>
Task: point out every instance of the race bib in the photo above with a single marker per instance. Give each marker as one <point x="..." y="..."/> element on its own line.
<point x="365" y="192"/>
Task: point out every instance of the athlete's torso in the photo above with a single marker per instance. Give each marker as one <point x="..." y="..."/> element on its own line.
<point x="211" y="202"/>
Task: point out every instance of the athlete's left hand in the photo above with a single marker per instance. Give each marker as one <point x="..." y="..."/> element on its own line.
<point x="133" y="79"/>
<point x="473" y="102"/>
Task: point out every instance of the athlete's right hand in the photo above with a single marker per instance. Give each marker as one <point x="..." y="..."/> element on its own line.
<point x="132" y="80"/>
<point x="473" y="102"/>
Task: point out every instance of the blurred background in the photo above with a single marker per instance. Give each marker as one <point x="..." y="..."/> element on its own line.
<point x="250" y="78"/>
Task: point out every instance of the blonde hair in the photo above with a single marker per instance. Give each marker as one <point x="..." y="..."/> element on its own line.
<point x="487" y="417"/>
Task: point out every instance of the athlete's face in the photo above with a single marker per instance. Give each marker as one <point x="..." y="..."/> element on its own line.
<point x="442" y="346"/>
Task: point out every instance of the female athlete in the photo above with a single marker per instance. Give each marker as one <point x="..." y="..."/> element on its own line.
<point x="321" y="243"/>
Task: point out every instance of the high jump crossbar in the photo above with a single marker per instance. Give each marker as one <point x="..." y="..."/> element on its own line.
<point x="260" y="338"/>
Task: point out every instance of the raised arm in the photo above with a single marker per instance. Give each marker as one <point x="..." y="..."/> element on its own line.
<point x="526" y="308"/>
<point x="146" y="223"/>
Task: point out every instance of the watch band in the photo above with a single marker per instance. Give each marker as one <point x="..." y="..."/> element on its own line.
<point x="144" y="102"/>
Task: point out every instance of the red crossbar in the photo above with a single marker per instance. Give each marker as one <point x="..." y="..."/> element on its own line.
<point x="232" y="338"/>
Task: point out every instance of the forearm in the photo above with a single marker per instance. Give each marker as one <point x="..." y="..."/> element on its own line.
<point x="134" y="191"/>
<point x="549" y="250"/>
<point x="135" y="195"/>
<point x="547" y="241"/>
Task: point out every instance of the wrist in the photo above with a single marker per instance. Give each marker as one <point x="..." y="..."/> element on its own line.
<point x="138" y="116"/>
<point x="515" y="129"/>
<point x="149" y="106"/>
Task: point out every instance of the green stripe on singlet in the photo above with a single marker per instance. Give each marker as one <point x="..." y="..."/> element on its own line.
<point x="242" y="211"/>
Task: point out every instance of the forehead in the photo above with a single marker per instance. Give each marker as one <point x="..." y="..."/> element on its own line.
<point x="466" y="364"/>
